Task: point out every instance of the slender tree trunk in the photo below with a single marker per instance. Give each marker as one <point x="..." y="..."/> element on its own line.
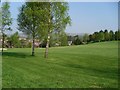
<point x="49" y="31"/>
<point x="47" y="46"/>
<point x="33" y="47"/>
<point x="3" y="39"/>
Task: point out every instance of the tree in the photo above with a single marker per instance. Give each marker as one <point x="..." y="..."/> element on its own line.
<point x="55" y="39"/>
<point x="15" y="40"/>
<point x="85" y="37"/>
<point x="23" y="43"/>
<point x="70" y="38"/>
<point x="107" y="38"/>
<point x="96" y="36"/>
<point x="59" y="39"/>
<point x="111" y="35"/>
<point x="6" y="20"/>
<point x="9" y="42"/>
<point x="57" y="19"/>
<point x="63" y="39"/>
<point x="29" y="20"/>
<point x="77" y="40"/>
<point x="48" y="17"/>
<point x="90" y="38"/>
<point x="117" y="35"/>
<point x="101" y="35"/>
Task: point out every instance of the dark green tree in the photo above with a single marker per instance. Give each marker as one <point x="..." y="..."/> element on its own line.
<point x="101" y="35"/>
<point x="95" y="36"/>
<point x="106" y="34"/>
<point x="76" y="40"/>
<point x="117" y="35"/>
<point x="111" y="35"/>
<point x="90" y="38"/>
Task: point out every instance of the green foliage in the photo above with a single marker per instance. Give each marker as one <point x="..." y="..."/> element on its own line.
<point x="29" y="45"/>
<point x="30" y="20"/>
<point x="6" y="17"/>
<point x="54" y="39"/>
<point x="107" y="38"/>
<point x="86" y="37"/>
<point x="41" y="19"/>
<point x="76" y="40"/>
<point x="59" y="39"/>
<point x="91" y="38"/>
<point x="13" y="40"/>
<point x="104" y="36"/>
<point x="101" y="36"/>
<point x="117" y="35"/>
<point x="6" y="21"/>
<point x="111" y="35"/>
<point x="63" y="39"/>
<point x="23" y="43"/>
<point x="56" y="19"/>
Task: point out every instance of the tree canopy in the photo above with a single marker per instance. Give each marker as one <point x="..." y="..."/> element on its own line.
<point x="41" y="19"/>
<point x="6" y="20"/>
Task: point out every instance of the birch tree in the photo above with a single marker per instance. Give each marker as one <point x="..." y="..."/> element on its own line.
<point x="29" y="20"/>
<point x="58" y="19"/>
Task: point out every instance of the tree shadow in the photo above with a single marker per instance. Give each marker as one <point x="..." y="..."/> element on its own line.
<point x="16" y="54"/>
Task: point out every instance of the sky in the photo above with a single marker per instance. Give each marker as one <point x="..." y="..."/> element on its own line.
<point x="86" y="17"/>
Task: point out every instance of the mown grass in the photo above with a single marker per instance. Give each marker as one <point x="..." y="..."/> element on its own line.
<point x="85" y="66"/>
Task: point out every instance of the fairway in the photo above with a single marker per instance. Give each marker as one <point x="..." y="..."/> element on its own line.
<point x="83" y="66"/>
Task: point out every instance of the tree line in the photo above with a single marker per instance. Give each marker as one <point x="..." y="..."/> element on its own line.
<point x="61" y="39"/>
<point x="100" y="36"/>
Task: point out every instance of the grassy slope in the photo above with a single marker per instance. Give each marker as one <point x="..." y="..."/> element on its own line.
<point x="93" y="65"/>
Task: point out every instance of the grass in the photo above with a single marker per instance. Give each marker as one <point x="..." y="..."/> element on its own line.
<point x="85" y="66"/>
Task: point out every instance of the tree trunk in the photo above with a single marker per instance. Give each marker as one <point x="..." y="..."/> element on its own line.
<point x="3" y="39"/>
<point x="49" y="31"/>
<point x="33" y="47"/>
<point x="47" y="46"/>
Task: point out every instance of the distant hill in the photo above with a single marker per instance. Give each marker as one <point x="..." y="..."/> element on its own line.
<point x="74" y="34"/>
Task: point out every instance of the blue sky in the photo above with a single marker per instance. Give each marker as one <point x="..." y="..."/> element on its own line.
<point x="87" y="17"/>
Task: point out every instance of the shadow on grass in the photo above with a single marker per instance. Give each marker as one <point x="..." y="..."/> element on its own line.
<point x="16" y="54"/>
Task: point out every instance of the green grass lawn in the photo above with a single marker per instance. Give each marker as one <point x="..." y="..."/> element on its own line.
<point x="85" y="66"/>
